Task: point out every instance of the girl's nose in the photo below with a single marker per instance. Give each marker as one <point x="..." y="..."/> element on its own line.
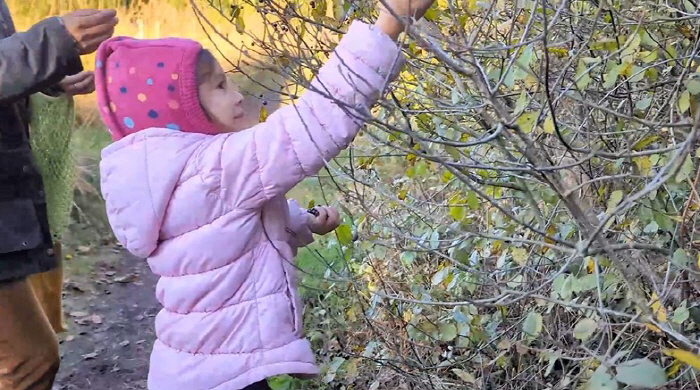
<point x="238" y="97"/>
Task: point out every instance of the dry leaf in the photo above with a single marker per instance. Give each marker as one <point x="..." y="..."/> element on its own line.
<point x="90" y="356"/>
<point x="125" y="279"/>
<point x="96" y="319"/>
<point x="78" y="314"/>
<point x="503" y="344"/>
<point x="464" y="375"/>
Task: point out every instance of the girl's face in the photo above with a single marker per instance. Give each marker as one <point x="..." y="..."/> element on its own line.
<point x="222" y="101"/>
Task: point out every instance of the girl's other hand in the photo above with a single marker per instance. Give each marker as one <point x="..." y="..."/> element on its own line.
<point x="82" y="83"/>
<point x="323" y="220"/>
<point x="406" y="10"/>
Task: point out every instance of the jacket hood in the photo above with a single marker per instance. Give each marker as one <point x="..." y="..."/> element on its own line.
<point x="138" y="176"/>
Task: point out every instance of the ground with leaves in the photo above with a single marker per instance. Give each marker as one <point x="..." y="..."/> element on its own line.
<point x="110" y="304"/>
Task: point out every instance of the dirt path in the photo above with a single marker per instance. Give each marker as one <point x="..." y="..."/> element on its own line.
<point x="109" y="304"/>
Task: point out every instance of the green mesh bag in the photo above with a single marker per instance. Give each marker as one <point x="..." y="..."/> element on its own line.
<point x="51" y="129"/>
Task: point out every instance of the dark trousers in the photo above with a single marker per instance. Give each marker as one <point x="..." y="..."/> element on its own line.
<point x="259" y="386"/>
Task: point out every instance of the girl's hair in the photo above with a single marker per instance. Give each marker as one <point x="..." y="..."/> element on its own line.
<point x="205" y="65"/>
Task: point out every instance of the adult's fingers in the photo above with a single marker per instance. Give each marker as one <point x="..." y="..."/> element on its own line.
<point x="106" y="16"/>
<point x="85" y="86"/>
<point x="91" y="44"/>
<point x="76" y="78"/>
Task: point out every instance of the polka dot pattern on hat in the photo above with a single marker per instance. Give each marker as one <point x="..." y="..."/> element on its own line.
<point x="128" y="122"/>
<point x="144" y="83"/>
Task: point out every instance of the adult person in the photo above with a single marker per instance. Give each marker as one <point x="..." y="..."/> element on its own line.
<point x="41" y="59"/>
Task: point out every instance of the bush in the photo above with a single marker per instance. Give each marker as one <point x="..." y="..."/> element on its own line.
<point x="525" y="197"/>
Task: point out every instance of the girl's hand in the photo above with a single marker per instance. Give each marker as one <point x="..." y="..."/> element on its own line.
<point x="406" y="10"/>
<point x="323" y="220"/>
<point x="82" y="83"/>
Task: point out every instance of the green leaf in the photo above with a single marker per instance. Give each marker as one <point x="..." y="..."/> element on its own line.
<point x="684" y="102"/>
<point x="472" y="200"/>
<point x="520" y="104"/>
<point x="582" y="77"/>
<point x="439" y="276"/>
<point x="681" y="314"/>
<point x="344" y="234"/>
<point x="681" y="258"/>
<point x="588" y="282"/>
<point x="448" y="332"/>
<point x="612" y="75"/>
<point x="585" y="328"/>
<point x="532" y="326"/>
<point x="651" y="228"/>
<point x="643" y="104"/>
<point x="664" y="221"/>
<point x="563" y="286"/>
<point x="642" y="373"/>
<point x="601" y="380"/>
<point x="686" y="170"/>
<point x="693" y="86"/>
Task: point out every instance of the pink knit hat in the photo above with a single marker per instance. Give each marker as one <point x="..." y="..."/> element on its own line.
<point x="149" y="83"/>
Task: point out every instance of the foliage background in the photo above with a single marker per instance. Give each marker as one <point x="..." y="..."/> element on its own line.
<point x="521" y="208"/>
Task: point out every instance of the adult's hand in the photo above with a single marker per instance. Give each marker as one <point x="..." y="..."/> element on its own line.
<point x="90" y="27"/>
<point x="82" y="83"/>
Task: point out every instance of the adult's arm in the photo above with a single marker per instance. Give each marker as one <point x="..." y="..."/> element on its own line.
<point x="36" y="60"/>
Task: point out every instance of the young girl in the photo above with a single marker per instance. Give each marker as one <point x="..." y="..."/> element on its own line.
<point x="186" y="186"/>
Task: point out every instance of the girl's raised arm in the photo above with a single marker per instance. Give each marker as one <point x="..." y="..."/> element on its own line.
<point x="295" y="142"/>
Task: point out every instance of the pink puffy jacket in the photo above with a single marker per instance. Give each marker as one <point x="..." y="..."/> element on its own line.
<point x="209" y="212"/>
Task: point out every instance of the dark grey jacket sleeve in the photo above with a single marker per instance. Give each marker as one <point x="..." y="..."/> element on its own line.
<point x="36" y="60"/>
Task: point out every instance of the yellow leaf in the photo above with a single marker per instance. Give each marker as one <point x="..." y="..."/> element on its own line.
<point x="686" y="357"/>
<point x="674" y="368"/>
<point x="698" y="259"/>
<point x="614" y="200"/>
<point x="519" y="255"/>
<point x="684" y="102"/>
<point x="641" y="144"/>
<point x="590" y="266"/>
<point x="643" y="163"/>
<point x="527" y="121"/>
<point x="656" y="308"/>
<point x="653" y="328"/>
<point x="548" y="126"/>
<point x="263" y="114"/>
<point x="350" y="313"/>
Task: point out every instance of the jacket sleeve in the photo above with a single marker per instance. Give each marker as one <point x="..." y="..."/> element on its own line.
<point x="296" y="141"/>
<point x="298" y="228"/>
<point x="36" y="60"/>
